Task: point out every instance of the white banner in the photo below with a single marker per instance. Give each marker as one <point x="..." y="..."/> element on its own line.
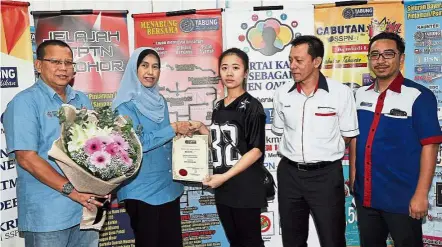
<point x="265" y="36"/>
<point x="17" y="73"/>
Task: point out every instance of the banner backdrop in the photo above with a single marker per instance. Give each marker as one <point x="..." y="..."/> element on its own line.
<point x="99" y="41"/>
<point x="17" y="73"/>
<point x="265" y="36"/>
<point x="423" y="61"/>
<point x="189" y="43"/>
<point x="346" y="35"/>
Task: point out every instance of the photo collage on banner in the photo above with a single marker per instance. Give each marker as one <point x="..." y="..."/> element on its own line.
<point x="265" y="36"/>
<point x="346" y="36"/>
<point x="16" y="75"/>
<point x="423" y="61"/>
<point x="100" y="43"/>
<point x="189" y="46"/>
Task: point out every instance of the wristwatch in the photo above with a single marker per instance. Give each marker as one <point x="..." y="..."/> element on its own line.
<point x="67" y="189"/>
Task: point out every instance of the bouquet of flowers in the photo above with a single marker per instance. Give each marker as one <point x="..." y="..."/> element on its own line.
<point x="97" y="151"/>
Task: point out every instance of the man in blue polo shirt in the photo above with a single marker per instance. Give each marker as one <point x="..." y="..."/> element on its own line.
<point x="49" y="208"/>
<point x="395" y="151"/>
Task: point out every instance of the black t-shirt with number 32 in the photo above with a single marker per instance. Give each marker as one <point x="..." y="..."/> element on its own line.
<point x="243" y="124"/>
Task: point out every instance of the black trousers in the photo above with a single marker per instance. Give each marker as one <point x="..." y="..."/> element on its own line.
<point x="241" y="225"/>
<point x="374" y="226"/>
<point x="319" y="192"/>
<point x="155" y="225"/>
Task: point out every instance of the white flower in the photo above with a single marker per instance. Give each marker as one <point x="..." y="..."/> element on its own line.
<point x="78" y="138"/>
<point x="106" y="131"/>
<point x="91" y="130"/>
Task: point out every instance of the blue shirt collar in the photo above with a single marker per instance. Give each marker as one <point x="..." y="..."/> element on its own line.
<point x="70" y="92"/>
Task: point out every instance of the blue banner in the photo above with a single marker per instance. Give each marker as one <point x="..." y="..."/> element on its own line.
<point x="423" y="60"/>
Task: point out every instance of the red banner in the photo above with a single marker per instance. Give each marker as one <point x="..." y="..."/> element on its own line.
<point x="189" y="44"/>
<point x="99" y="41"/>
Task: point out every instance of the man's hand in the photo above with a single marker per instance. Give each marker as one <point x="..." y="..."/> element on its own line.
<point x="88" y="201"/>
<point x="418" y="208"/>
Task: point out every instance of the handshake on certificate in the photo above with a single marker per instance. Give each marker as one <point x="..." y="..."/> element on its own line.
<point x="187" y="128"/>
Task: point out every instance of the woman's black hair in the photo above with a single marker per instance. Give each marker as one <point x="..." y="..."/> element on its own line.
<point x="145" y="53"/>
<point x="239" y="53"/>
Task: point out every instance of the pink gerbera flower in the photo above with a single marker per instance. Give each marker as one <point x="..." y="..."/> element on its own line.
<point x="120" y="142"/>
<point x="93" y="145"/>
<point x="112" y="149"/>
<point x="125" y="157"/>
<point x="106" y="140"/>
<point x="100" y="159"/>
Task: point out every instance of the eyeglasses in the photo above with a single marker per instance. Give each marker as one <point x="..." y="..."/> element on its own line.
<point x="385" y="55"/>
<point x="56" y="62"/>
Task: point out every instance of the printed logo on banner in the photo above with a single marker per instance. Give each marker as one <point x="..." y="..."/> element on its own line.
<point x="188" y="25"/>
<point x="384" y="25"/>
<point x="267" y="223"/>
<point x="269" y="36"/>
<point x="349" y="13"/>
<point x="420" y="36"/>
<point x="439" y="194"/>
<point x="343" y="33"/>
<point x="269" y="115"/>
<point x="367" y="79"/>
<point x="9" y="77"/>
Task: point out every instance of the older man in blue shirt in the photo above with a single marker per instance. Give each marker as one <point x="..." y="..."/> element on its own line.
<point x="49" y="208"/>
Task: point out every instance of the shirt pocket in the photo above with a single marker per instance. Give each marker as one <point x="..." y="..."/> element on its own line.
<point x="395" y="127"/>
<point x="325" y="123"/>
<point x="291" y="116"/>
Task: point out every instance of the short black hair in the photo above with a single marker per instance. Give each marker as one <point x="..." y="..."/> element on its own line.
<point x="400" y="44"/>
<point x="315" y="45"/>
<point x="51" y="42"/>
<point x="238" y="52"/>
<point x="145" y="53"/>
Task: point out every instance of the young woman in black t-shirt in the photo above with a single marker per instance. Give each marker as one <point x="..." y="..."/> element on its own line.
<point x="238" y="141"/>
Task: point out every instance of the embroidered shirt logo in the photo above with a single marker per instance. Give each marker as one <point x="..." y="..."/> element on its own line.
<point x="366" y="104"/>
<point x="244" y="104"/>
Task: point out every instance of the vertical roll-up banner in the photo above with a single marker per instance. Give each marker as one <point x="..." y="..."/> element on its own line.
<point x="17" y="73"/>
<point x="189" y="43"/>
<point x="100" y="45"/>
<point x="346" y="34"/>
<point x="423" y="21"/>
<point x="99" y="41"/>
<point x="264" y="33"/>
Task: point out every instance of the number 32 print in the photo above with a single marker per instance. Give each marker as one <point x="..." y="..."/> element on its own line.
<point x="223" y="152"/>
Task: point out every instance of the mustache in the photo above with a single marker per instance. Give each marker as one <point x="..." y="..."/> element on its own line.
<point x="381" y="66"/>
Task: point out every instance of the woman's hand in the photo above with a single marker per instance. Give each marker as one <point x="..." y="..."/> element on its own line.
<point x="215" y="181"/>
<point x="200" y="127"/>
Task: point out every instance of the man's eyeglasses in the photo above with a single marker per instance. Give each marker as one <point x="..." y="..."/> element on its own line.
<point x="385" y="55"/>
<point x="56" y="62"/>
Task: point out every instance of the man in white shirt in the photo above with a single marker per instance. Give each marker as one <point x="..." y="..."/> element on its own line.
<point x="316" y="118"/>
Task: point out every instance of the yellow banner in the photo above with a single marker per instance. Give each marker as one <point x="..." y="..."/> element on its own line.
<point x="346" y="32"/>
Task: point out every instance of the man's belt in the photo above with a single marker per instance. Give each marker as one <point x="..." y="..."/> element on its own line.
<point x="310" y="166"/>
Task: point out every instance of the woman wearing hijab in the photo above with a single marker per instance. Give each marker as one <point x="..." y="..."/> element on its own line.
<point x="152" y="197"/>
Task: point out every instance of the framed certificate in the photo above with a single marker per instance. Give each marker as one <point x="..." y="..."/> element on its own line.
<point x="190" y="158"/>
